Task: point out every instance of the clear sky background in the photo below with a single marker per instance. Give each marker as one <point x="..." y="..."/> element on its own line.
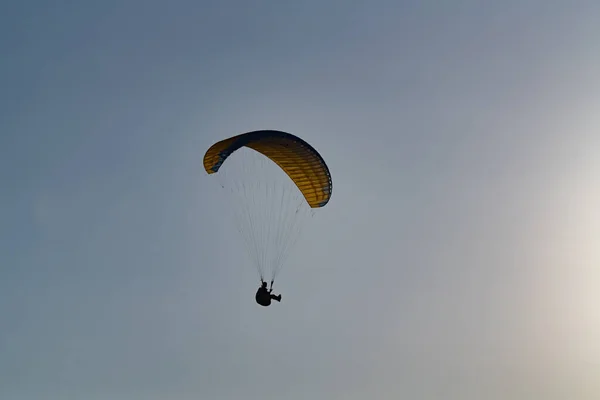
<point x="458" y="258"/>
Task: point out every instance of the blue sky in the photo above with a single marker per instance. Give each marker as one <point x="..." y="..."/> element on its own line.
<point x="458" y="256"/>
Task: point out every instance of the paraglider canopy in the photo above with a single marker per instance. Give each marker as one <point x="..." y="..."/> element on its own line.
<point x="299" y="160"/>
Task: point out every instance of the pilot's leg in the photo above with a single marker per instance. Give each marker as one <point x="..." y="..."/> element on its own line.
<point x="277" y="298"/>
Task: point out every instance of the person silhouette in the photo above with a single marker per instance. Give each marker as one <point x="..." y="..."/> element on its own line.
<point x="264" y="296"/>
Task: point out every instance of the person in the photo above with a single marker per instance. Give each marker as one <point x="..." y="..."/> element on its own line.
<point x="264" y="296"/>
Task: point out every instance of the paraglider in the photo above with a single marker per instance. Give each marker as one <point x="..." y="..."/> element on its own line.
<point x="274" y="181"/>
<point x="264" y="296"/>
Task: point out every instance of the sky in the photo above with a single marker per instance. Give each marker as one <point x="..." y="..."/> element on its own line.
<point x="458" y="257"/>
